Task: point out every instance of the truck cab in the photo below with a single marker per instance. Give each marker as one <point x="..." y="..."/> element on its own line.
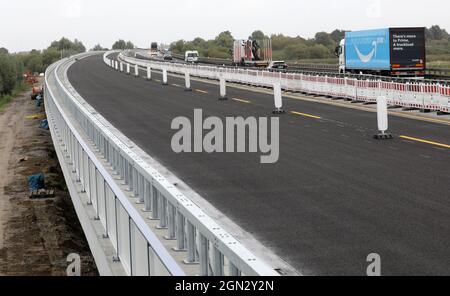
<point x="340" y="53"/>
<point x="191" y="56"/>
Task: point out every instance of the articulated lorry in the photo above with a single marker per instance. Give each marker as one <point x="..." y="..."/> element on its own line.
<point x="154" y="49"/>
<point x="252" y="53"/>
<point x="387" y="52"/>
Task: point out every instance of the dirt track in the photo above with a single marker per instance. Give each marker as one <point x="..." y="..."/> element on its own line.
<point x="35" y="235"/>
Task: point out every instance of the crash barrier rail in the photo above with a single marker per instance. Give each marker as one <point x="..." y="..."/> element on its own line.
<point x="418" y="95"/>
<point x="442" y="72"/>
<point x="137" y="248"/>
<point x="196" y="236"/>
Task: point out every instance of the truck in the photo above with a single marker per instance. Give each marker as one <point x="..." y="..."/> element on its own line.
<point x="191" y="56"/>
<point x="252" y="53"/>
<point x="386" y="52"/>
<point x="154" y="49"/>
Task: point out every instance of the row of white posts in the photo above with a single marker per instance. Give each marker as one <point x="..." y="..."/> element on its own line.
<point x="382" y="104"/>
<point x="222" y="83"/>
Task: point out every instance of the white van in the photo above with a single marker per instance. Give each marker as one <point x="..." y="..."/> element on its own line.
<point x="191" y="56"/>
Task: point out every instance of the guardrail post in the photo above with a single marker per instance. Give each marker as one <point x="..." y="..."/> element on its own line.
<point x="218" y="263"/>
<point x="181" y="237"/>
<point x="171" y="223"/>
<point x="148" y="197"/>
<point x="83" y="173"/>
<point x="382" y="114"/>
<point x="203" y="252"/>
<point x="149" y="73"/>
<point x="163" y="212"/>
<point x="122" y="168"/>
<point x="155" y="203"/>
<point x="126" y="175"/>
<point x="135" y="182"/>
<point x="164" y="80"/>
<point x="278" y="99"/>
<point x="141" y="191"/>
<point x="223" y="89"/>
<point x="121" y="66"/>
<point x="136" y="70"/>
<point x="191" y="245"/>
<point x="128" y="68"/>
<point x="187" y="78"/>
<point x="90" y="183"/>
<point x="105" y="195"/>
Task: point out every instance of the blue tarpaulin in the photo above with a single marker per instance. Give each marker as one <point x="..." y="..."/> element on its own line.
<point x="44" y="124"/>
<point x="38" y="101"/>
<point x="36" y="182"/>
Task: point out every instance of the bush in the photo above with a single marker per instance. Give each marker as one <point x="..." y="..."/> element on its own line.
<point x="8" y="73"/>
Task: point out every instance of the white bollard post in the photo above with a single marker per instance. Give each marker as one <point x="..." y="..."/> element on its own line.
<point x="164" y="82"/>
<point x="223" y="89"/>
<point x="136" y="70"/>
<point x="117" y="65"/>
<point x="149" y="73"/>
<point x="187" y="77"/>
<point x="382" y="116"/>
<point x="278" y="99"/>
<point x="121" y="67"/>
<point x="128" y="69"/>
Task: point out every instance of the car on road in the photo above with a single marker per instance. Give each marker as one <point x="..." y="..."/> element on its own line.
<point x="168" y="56"/>
<point x="277" y="65"/>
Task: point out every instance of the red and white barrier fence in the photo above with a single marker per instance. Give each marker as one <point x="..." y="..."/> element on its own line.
<point x="420" y="95"/>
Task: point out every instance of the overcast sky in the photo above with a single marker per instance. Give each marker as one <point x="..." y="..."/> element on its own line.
<point x="28" y="24"/>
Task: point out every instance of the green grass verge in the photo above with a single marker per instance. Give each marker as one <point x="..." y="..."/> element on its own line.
<point x="6" y="99"/>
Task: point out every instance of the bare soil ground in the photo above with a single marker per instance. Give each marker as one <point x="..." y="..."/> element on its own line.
<point x="36" y="236"/>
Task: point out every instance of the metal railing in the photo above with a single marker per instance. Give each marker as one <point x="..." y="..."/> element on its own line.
<point x="126" y="216"/>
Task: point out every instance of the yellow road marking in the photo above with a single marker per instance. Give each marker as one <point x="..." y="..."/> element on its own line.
<point x="426" y="142"/>
<point x="240" y="100"/>
<point x="201" y="91"/>
<point x="300" y="98"/>
<point x="306" y="115"/>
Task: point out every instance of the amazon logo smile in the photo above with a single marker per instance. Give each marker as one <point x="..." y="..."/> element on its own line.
<point x="365" y="58"/>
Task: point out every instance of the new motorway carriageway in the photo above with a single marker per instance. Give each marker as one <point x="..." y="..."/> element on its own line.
<point x="335" y="196"/>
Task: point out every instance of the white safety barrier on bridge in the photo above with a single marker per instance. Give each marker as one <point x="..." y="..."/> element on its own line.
<point x="419" y="95"/>
<point x="102" y="165"/>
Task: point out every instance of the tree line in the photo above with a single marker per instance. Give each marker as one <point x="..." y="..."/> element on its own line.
<point x="322" y="46"/>
<point x="14" y="65"/>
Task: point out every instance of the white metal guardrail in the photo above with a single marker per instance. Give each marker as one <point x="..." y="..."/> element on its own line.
<point x="140" y="252"/>
<point x="420" y="95"/>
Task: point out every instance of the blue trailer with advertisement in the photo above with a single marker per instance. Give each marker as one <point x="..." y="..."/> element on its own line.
<point x="390" y="51"/>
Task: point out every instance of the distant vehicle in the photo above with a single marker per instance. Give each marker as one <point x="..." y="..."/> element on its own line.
<point x="277" y="65"/>
<point x="154" y="49"/>
<point x="191" y="56"/>
<point x="252" y="53"/>
<point x="389" y="52"/>
<point x="168" y="56"/>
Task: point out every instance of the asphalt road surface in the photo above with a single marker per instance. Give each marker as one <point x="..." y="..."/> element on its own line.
<point x="335" y="196"/>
